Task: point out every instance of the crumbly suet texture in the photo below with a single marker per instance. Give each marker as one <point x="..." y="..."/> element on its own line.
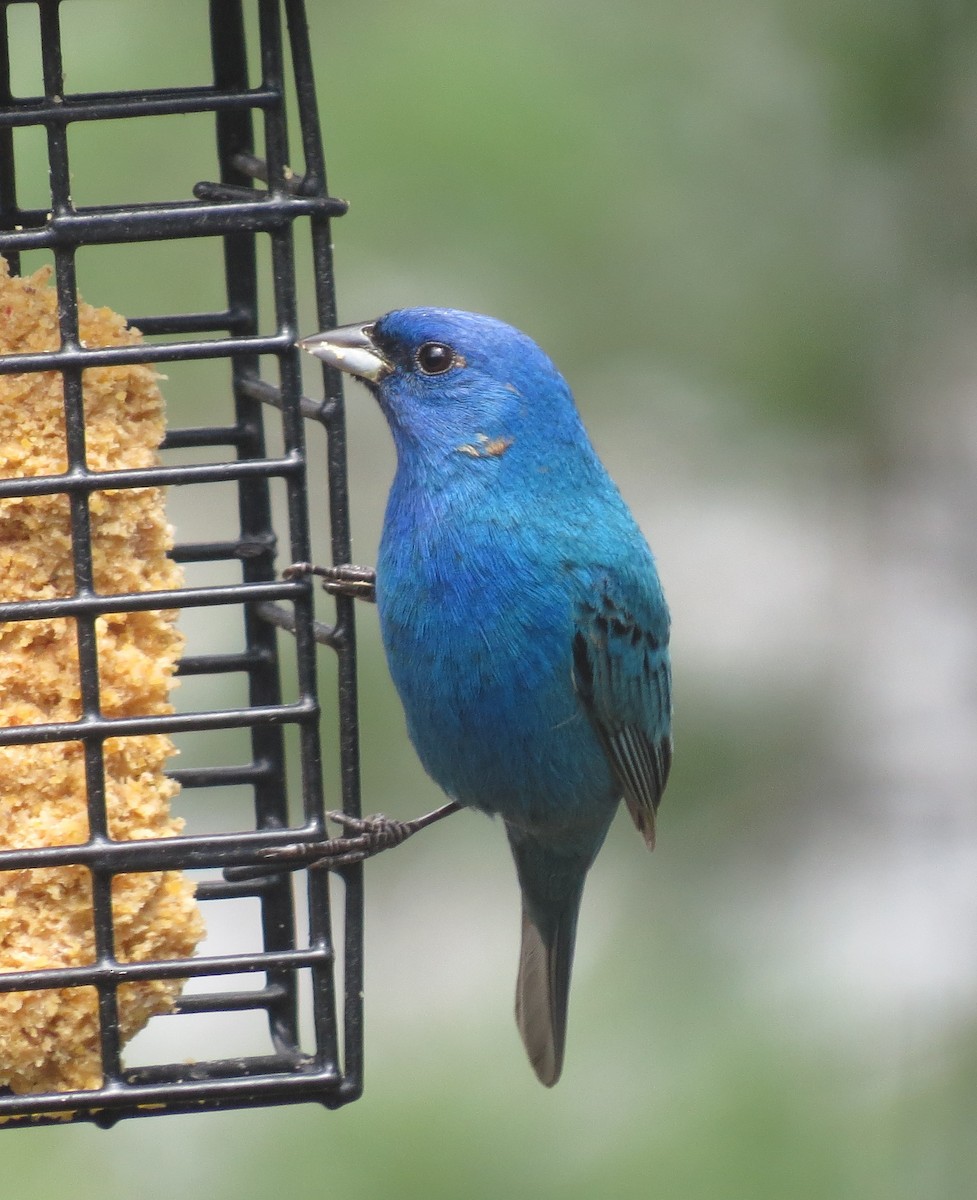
<point x="49" y="1039"/>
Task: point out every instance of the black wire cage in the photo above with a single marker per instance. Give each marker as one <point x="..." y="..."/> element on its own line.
<point x="284" y="969"/>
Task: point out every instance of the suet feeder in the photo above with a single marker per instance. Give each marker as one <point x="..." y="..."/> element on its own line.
<point x="85" y="737"/>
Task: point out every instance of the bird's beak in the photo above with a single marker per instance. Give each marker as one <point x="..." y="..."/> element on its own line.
<point x="350" y="348"/>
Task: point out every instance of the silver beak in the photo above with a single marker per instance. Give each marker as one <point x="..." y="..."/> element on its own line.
<point x="351" y="349"/>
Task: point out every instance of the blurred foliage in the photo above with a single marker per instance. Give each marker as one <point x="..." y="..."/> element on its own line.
<point x="746" y="232"/>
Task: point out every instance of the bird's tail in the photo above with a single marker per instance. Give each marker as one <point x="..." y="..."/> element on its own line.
<point x="552" y="888"/>
<point x="543" y="990"/>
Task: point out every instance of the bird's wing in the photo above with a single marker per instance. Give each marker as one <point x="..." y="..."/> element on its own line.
<point x="622" y="675"/>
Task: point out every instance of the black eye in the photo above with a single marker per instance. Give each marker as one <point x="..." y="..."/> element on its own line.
<point x="434" y="358"/>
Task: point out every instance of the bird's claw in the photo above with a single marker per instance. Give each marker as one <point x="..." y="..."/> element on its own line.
<point x="345" y="579"/>
<point x="367" y="836"/>
<point x="363" y="837"/>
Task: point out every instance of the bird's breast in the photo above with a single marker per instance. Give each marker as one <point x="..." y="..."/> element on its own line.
<point x="478" y="630"/>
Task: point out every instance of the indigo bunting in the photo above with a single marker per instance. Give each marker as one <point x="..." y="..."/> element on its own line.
<point x="521" y="613"/>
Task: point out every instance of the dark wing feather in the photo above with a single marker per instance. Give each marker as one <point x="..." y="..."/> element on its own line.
<point x="623" y="678"/>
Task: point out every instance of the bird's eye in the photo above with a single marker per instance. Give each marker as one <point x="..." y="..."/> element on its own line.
<point x="434" y="358"/>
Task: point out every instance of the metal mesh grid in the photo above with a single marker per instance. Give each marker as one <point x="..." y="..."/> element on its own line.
<point x="307" y="1056"/>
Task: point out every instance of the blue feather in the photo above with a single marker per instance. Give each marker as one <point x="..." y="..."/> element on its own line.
<point x="521" y="613"/>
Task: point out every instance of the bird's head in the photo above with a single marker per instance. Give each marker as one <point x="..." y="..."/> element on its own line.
<point x="454" y="382"/>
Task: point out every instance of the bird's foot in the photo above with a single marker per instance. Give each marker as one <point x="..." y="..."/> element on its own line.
<point x="364" y="837"/>
<point x="360" y="583"/>
<point x="371" y="835"/>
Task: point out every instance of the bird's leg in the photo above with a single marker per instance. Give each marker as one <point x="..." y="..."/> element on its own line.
<point x="367" y="836"/>
<point x="343" y="580"/>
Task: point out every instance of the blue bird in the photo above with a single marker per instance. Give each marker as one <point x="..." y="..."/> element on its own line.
<point x="521" y="613"/>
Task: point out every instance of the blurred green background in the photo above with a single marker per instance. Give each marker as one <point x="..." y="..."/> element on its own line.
<point x="746" y="231"/>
